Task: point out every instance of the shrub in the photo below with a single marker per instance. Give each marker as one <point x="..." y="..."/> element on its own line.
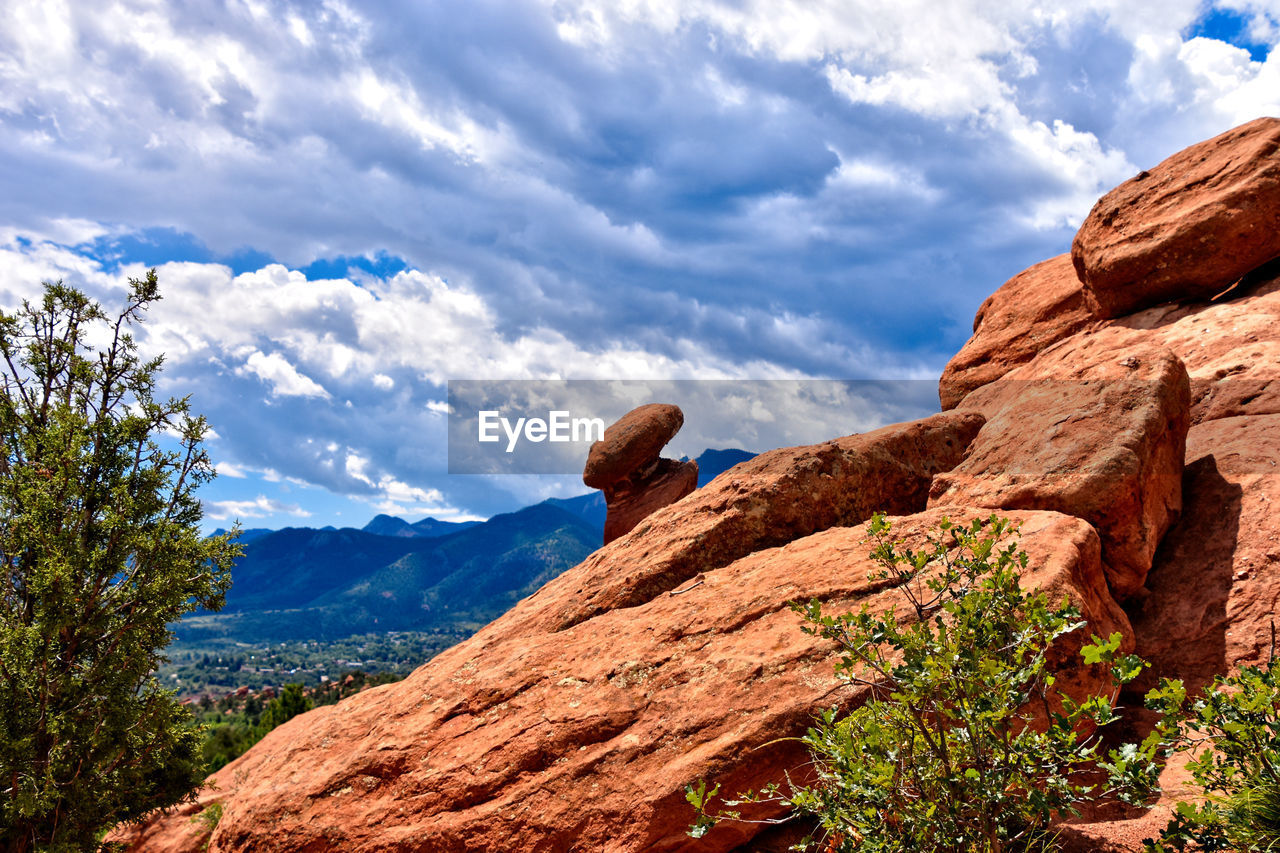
<point x="943" y="755"/>
<point x="1235" y="728"/>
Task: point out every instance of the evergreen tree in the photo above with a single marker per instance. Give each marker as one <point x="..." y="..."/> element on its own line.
<point x="100" y="549"/>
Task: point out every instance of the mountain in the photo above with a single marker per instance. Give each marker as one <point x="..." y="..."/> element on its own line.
<point x="471" y="575"/>
<point x="302" y="583"/>
<point x="713" y="463"/>
<point x="247" y="535"/>
<point x="390" y="525"/>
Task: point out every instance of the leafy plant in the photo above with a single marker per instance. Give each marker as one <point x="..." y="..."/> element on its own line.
<point x="963" y="742"/>
<point x="206" y="821"/>
<point x="1235" y="729"/>
<point x="100" y="550"/>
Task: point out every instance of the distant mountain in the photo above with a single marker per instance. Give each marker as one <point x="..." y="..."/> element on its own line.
<point x="390" y="525"/>
<point x="301" y="583"/>
<point x="472" y="575"/>
<point x="247" y="535"/>
<point x="433" y="527"/>
<point x="589" y="507"/>
<point x="713" y="463"/>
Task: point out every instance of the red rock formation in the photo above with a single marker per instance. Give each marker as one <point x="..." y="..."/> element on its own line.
<point x="633" y="442"/>
<point x="1097" y="435"/>
<point x="584" y="739"/>
<point x="1037" y="307"/>
<point x="626" y="467"/>
<point x="1188" y="228"/>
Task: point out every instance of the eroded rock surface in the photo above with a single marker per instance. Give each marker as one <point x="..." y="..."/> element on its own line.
<point x="769" y="500"/>
<point x="584" y="739"/>
<point x="1188" y="228"/>
<point x="1036" y="308"/>
<point x="1096" y="435"/>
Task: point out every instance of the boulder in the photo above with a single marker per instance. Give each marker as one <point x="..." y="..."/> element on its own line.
<point x="1188" y="228"/>
<point x="585" y="739"/>
<point x="631" y="444"/>
<point x="1231" y="347"/>
<point x="1100" y="436"/>
<point x="625" y="466"/>
<point x="1036" y="308"/>
<point x="768" y="500"/>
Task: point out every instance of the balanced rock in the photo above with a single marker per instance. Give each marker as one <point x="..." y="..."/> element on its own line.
<point x="585" y="739"/>
<point x="1096" y="436"/>
<point x="1036" y="308"/>
<point x="625" y="465"/>
<point x="1188" y="228"/>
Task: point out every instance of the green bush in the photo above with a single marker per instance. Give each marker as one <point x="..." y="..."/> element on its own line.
<point x="943" y="755"/>
<point x="100" y="552"/>
<point x="1235" y="728"/>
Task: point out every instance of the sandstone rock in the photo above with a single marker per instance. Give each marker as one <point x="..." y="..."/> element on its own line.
<point x="1087" y="434"/>
<point x="1216" y="579"/>
<point x="626" y="467"/>
<point x="769" y="500"/>
<point x="1231" y="348"/>
<point x="1037" y="307"/>
<point x="1188" y="228"/>
<point x="631" y="444"/>
<point x="584" y="739"/>
<point x="1215" y="587"/>
<point x="630" y="502"/>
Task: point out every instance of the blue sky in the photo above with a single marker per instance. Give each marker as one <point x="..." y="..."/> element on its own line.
<point x="352" y="203"/>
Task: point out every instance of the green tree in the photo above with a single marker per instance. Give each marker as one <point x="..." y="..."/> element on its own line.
<point x="100" y="549"/>
<point x="946" y="755"/>
<point x="291" y="702"/>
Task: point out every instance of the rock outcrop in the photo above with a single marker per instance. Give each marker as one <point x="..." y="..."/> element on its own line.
<point x="769" y="500"/>
<point x="584" y="739"/>
<point x="1099" y="435"/>
<point x="1188" y="228"/>
<point x="626" y="466"/>
<point x="1036" y="308"/>
<point x="1129" y="421"/>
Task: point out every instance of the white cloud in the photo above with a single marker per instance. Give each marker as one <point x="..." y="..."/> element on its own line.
<point x="260" y="507"/>
<point x="284" y="379"/>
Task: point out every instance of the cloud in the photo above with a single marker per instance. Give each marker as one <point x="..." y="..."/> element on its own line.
<point x="574" y="188"/>
<point x="284" y="380"/>
<point x="260" y="507"/>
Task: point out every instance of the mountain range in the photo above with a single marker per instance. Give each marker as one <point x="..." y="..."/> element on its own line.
<point x="303" y="583"/>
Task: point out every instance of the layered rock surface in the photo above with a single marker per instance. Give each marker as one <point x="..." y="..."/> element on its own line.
<point x="1096" y="434"/>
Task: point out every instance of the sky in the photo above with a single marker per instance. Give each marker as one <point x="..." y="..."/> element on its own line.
<point x="350" y="204"/>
